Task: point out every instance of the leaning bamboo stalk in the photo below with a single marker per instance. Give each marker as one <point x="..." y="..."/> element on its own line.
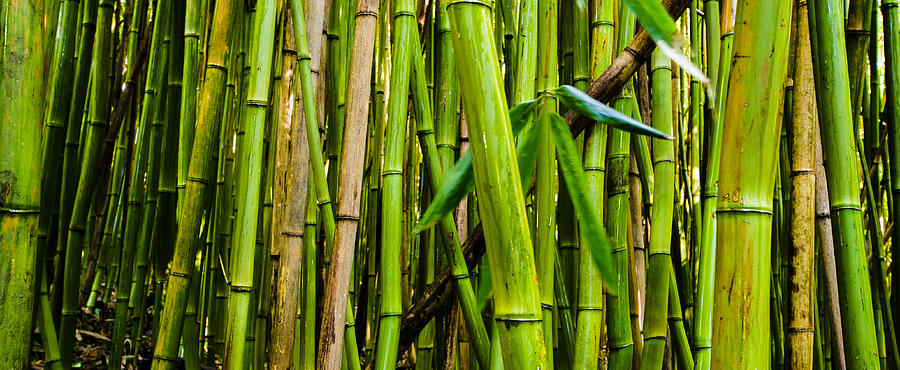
<point x="835" y="114"/>
<point x="62" y="78"/>
<point x="289" y="196"/>
<point x="826" y="242"/>
<point x="803" y="178"/>
<point x="69" y="174"/>
<point x="205" y="141"/>
<point x="349" y="183"/>
<point x="510" y="255"/>
<point x="98" y="120"/>
<point x="744" y="211"/>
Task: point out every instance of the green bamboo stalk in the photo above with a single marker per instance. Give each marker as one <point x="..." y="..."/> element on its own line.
<point x="190" y="88"/>
<point x="840" y="162"/>
<point x="336" y="87"/>
<point x="707" y="254"/>
<point x="547" y="182"/>
<point x="448" y="229"/>
<point x="254" y="118"/>
<point x="21" y="115"/>
<point x="70" y="162"/>
<point x="590" y="294"/>
<point x="153" y="112"/>
<point x="891" y="20"/>
<point x="205" y="141"/>
<point x="621" y="340"/>
<point x="679" y="340"/>
<point x="165" y="227"/>
<point x="98" y="120"/>
<point x="509" y="249"/>
<point x="392" y="178"/>
<point x="305" y="352"/>
<point x="660" y="259"/>
<point x="62" y="78"/>
<point x="745" y="206"/>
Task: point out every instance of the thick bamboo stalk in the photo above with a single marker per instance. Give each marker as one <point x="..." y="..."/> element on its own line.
<point x="21" y="115"/>
<point x="741" y="328"/>
<point x="510" y="255"/>
<point x="205" y="141"/>
<point x="803" y="178"/>
<point x="621" y="339"/>
<point x="349" y="183"/>
<point x="448" y="240"/>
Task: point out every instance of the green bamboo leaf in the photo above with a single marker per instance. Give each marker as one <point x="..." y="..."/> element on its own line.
<point x="461" y="180"/>
<point x="587" y="106"/>
<point x="591" y="226"/>
<point x="661" y="28"/>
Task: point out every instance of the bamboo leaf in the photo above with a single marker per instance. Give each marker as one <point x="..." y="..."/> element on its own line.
<point x="461" y="179"/>
<point x="661" y="28"/>
<point x="587" y="106"/>
<point x="591" y="226"/>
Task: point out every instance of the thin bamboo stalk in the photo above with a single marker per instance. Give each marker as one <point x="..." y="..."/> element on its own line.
<point x="801" y="329"/>
<point x="661" y="215"/>
<point x="840" y="162"/>
<point x="98" y="120"/>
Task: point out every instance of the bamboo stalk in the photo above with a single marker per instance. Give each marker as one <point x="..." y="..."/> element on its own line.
<point x="801" y="329"/>
<point x="510" y="255"/>
<point x="205" y="141"/>
<point x="840" y="162"/>
<point x="745" y="202"/>
<point x="661" y="215"/>
<point x="21" y="115"/>
<point x="350" y="182"/>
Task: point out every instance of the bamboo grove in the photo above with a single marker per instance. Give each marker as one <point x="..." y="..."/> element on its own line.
<point x="453" y="184"/>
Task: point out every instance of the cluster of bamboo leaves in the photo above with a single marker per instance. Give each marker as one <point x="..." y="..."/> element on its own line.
<point x="519" y="184"/>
